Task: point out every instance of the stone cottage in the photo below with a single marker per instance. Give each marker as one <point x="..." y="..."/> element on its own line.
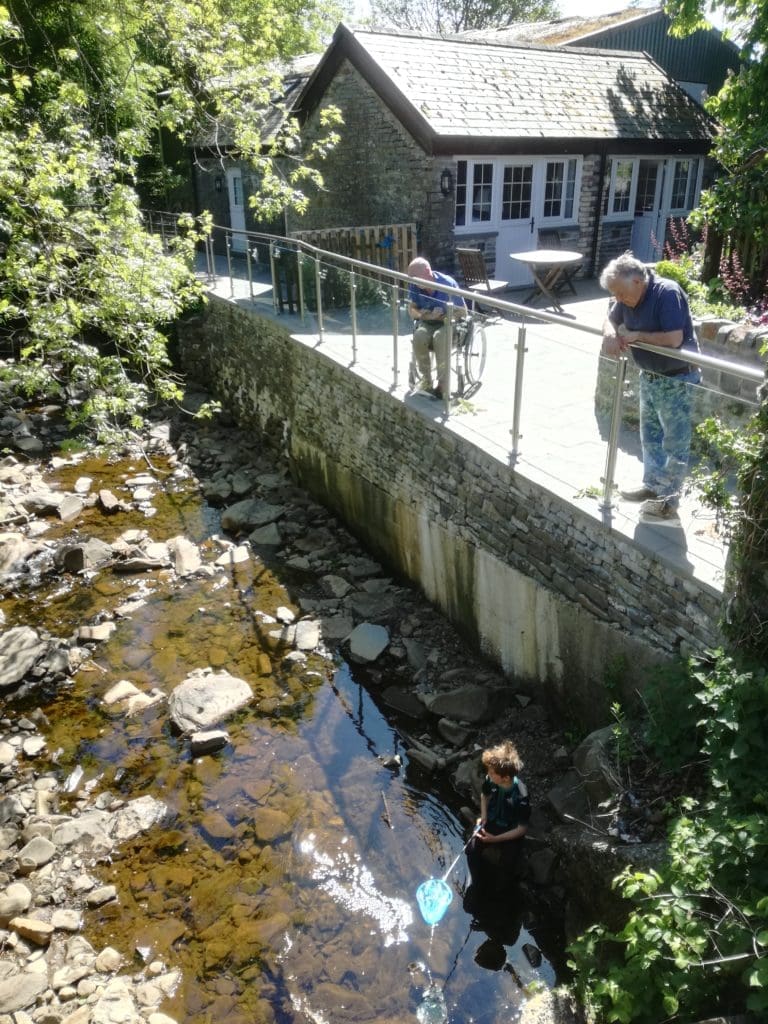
<point x="489" y="145"/>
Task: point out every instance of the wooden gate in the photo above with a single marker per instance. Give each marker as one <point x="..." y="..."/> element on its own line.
<point x="387" y="245"/>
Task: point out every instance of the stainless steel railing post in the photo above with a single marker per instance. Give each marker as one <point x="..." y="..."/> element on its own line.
<point x="248" y="267"/>
<point x="273" y="272"/>
<point x="318" y="292"/>
<point x="229" y="267"/>
<point x="613" y="439"/>
<point x="394" y="292"/>
<point x="517" y="401"/>
<point x="209" y="258"/>
<point x="353" y="313"/>
<point x="300" y="273"/>
<point x="444" y="382"/>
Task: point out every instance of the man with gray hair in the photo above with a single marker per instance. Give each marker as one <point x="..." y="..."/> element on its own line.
<point x="428" y="306"/>
<point x="654" y="310"/>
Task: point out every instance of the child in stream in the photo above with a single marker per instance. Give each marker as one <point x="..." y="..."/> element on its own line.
<point x="495" y="851"/>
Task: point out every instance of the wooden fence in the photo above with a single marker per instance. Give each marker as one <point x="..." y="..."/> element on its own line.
<point x="387" y="245"/>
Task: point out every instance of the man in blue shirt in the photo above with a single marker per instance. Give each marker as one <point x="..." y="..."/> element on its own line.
<point x="427" y="306"/>
<point x="654" y="310"/>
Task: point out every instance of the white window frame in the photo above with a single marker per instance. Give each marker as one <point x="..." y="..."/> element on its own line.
<point x="629" y="213"/>
<point x="559" y="219"/>
<point x="695" y="184"/>
<point x="539" y="181"/>
<point x="665" y="199"/>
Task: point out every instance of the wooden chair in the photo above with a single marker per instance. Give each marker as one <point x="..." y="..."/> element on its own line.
<point x="551" y="240"/>
<point x="473" y="270"/>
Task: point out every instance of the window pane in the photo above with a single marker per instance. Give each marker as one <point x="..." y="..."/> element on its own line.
<point x="680" y="184"/>
<point x="622" y="186"/>
<point x="693" y="177"/>
<point x="553" y="188"/>
<point x="516" y="192"/>
<point x="461" y="192"/>
<point x="645" y="197"/>
<point x="482" y="188"/>
<point x="608" y="172"/>
<point x="570" y="189"/>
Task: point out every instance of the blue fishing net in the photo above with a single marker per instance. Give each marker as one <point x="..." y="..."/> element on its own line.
<point x="433" y="897"/>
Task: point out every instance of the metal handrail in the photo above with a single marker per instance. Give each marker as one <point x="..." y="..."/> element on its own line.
<point x="395" y="278"/>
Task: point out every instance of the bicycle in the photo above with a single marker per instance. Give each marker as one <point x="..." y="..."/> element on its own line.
<point x="468" y="356"/>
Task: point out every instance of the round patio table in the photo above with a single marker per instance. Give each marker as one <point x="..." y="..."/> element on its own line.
<point x="548" y="267"/>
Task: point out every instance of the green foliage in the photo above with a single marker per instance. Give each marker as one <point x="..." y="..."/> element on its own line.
<point x="86" y="292"/>
<point x="335" y="287"/>
<point x="676" y="271"/>
<point x="736" y="201"/>
<point x="671" y="716"/>
<point x="705" y="300"/>
<point x="694" y="944"/>
<point x="443" y="17"/>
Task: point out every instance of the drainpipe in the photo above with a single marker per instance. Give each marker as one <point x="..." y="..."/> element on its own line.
<point x="598" y="210"/>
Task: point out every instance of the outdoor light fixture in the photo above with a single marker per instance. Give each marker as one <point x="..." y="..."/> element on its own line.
<point x="446" y="182"/>
<point x="217" y="183"/>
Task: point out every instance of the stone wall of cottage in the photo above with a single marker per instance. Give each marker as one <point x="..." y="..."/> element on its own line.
<point x="556" y="599"/>
<point x="378" y="173"/>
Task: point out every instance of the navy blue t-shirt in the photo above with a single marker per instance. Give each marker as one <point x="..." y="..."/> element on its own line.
<point x="436" y="298"/>
<point x="664" y="307"/>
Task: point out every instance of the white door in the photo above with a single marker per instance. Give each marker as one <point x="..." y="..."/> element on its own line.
<point x="236" y="209"/>
<point x="516" y="227"/>
<point x="647" y="238"/>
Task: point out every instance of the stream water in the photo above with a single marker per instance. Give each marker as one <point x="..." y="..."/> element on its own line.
<point x="284" y="885"/>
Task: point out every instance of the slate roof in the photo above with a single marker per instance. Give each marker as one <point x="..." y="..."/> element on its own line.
<point x="294" y="75"/>
<point x="559" y="30"/>
<point x="455" y="89"/>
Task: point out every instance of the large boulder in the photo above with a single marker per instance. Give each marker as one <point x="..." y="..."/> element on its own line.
<point x="206" y="698"/>
<point x="20" y="649"/>
<point x="367" y="641"/>
<point x="248" y="514"/>
<point x="465" y="704"/>
<point x="15" y="549"/>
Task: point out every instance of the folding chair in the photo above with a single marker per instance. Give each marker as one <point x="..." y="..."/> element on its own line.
<point x="473" y="270"/>
<point x="551" y="240"/>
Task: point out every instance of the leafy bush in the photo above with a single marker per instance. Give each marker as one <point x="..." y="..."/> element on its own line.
<point x="335" y="287"/>
<point x="675" y="272"/>
<point x="695" y="944"/>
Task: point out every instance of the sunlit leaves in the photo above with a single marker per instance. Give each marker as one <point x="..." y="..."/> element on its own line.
<point x="696" y="937"/>
<point x="86" y="293"/>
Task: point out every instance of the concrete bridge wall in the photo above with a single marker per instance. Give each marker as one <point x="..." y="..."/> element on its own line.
<point x="559" y="601"/>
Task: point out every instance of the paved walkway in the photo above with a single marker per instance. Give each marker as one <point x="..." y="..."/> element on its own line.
<point x="563" y="444"/>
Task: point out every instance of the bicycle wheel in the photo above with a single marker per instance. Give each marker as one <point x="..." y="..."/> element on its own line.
<point x="474" y="355"/>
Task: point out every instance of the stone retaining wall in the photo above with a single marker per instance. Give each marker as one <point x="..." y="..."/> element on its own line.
<point x="547" y="592"/>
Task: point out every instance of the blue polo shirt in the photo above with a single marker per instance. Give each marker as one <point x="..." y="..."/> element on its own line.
<point x="664" y="307"/>
<point x="435" y="299"/>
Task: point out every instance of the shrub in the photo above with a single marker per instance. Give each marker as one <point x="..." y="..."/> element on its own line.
<point x="695" y="943"/>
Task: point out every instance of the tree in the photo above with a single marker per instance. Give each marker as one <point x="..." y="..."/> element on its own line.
<point x="444" y="17"/>
<point x="735" y="207"/>
<point x="85" y="90"/>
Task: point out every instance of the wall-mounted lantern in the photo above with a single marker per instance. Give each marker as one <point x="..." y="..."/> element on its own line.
<point x="446" y="182"/>
<point x="218" y="183"/>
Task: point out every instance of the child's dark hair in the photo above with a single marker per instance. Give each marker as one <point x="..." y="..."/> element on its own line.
<point x="503" y="759"/>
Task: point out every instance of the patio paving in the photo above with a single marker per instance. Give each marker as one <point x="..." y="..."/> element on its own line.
<point x="563" y="443"/>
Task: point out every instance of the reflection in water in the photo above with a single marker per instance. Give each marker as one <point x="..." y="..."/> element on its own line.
<point x="280" y="889"/>
<point x="352" y="885"/>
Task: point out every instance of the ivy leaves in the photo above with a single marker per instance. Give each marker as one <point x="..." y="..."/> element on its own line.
<point x="696" y="941"/>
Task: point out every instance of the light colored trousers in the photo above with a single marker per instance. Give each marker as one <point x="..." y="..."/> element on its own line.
<point x="428" y="338"/>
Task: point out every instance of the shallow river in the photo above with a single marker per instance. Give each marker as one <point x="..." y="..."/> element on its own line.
<point x="284" y="887"/>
